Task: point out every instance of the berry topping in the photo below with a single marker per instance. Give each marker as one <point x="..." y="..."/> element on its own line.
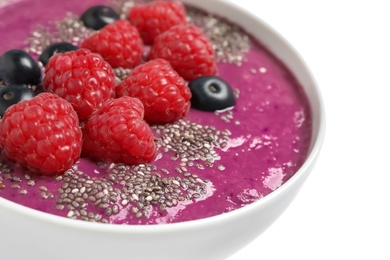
<point x="117" y="133"/>
<point x="17" y="67"/>
<point x="163" y="92"/>
<point x="59" y="47"/>
<point x="119" y="44"/>
<point x="12" y="94"/>
<point x="96" y="17"/>
<point x="155" y="18"/>
<point x="210" y="93"/>
<point x="42" y="134"/>
<point x="188" y="51"/>
<point x="81" y="77"/>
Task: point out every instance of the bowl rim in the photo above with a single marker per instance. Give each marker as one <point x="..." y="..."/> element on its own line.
<point x="318" y="134"/>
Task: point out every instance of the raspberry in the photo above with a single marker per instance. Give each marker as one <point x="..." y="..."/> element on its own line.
<point x="187" y="49"/>
<point x="119" y="44"/>
<point x="117" y="133"/>
<point x="81" y="77"/>
<point x="163" y="92"/>
<point x="42" y="134"/>
<point x="157" y="17"/>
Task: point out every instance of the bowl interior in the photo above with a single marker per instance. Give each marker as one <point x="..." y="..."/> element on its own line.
<point x="286" y="53"/>
<point x="281" y="49"/>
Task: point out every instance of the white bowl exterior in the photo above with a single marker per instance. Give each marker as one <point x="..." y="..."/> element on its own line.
<point x="30" y="234"/>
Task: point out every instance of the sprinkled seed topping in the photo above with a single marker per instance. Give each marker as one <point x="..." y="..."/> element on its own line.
<point x="225" y="115"/>
<point x="191" y="142"/>
<point x="70" y="29"/>
<point x="140" y="186"/>
<point x="31" y="183"/>
<point x="121" y="74"/>
<point x="6" y="169"/>
<point x="230" y="42"/>
<point x="122" y="7"/>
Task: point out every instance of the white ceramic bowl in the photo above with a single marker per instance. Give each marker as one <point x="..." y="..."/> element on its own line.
<point x="30" y="234"/>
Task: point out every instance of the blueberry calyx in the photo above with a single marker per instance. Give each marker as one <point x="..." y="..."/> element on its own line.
<point x="59" y="47"/>
<point x="12" y="94"/>
<point x="211" y="93"/>
<point x="18" y="67"/>
<point x="96" y="17"/>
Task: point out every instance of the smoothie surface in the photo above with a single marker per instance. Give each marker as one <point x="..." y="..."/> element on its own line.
<point x="208" y="163"/>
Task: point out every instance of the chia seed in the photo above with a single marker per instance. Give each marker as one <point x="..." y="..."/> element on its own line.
<point x="23" y="191"/>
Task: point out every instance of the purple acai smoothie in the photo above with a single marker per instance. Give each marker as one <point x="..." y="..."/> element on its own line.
<point x="208" y="163"/>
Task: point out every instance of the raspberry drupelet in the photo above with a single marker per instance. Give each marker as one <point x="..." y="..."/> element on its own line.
<point x="42" y="134"/>
<point x="163" y="92"/>
<point x="117" y="133"/>
<point x="81" y="77"/>
<point x="118" y="43"/>
<point x="188" y="51"/>
<point x="155" y="18"/>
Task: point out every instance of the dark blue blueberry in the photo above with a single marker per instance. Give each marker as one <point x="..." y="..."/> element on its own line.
<point x="17" y="67"/>
<point x="96" y="17"/>
<point x="12" y="94"/>
<point x="59" y="47"/>
<point x="211" y="93"/>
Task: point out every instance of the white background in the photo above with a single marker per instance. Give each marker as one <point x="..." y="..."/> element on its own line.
<point x="342" y="212"/>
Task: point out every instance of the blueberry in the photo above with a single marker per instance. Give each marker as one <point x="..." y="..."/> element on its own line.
<point x="12" y="94"/>
<point x="17" y="67"/>
<point x="96" y="17"/>
<point x="211" y="93"/>
<point x="59" y="47"/>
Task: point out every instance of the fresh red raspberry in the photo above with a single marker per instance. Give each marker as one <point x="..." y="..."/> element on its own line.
<point x="155" y="18"/>
<point x="117" y="133"/>
<point x="119" y="44"/>
<point x="163" y="92"/>
<point x="187" y="49"/>
<point x="42" y="134"/>
<point x="81" y="77"/>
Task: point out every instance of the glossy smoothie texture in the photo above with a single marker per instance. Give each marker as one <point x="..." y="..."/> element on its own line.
<point x="260" y="144"/>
